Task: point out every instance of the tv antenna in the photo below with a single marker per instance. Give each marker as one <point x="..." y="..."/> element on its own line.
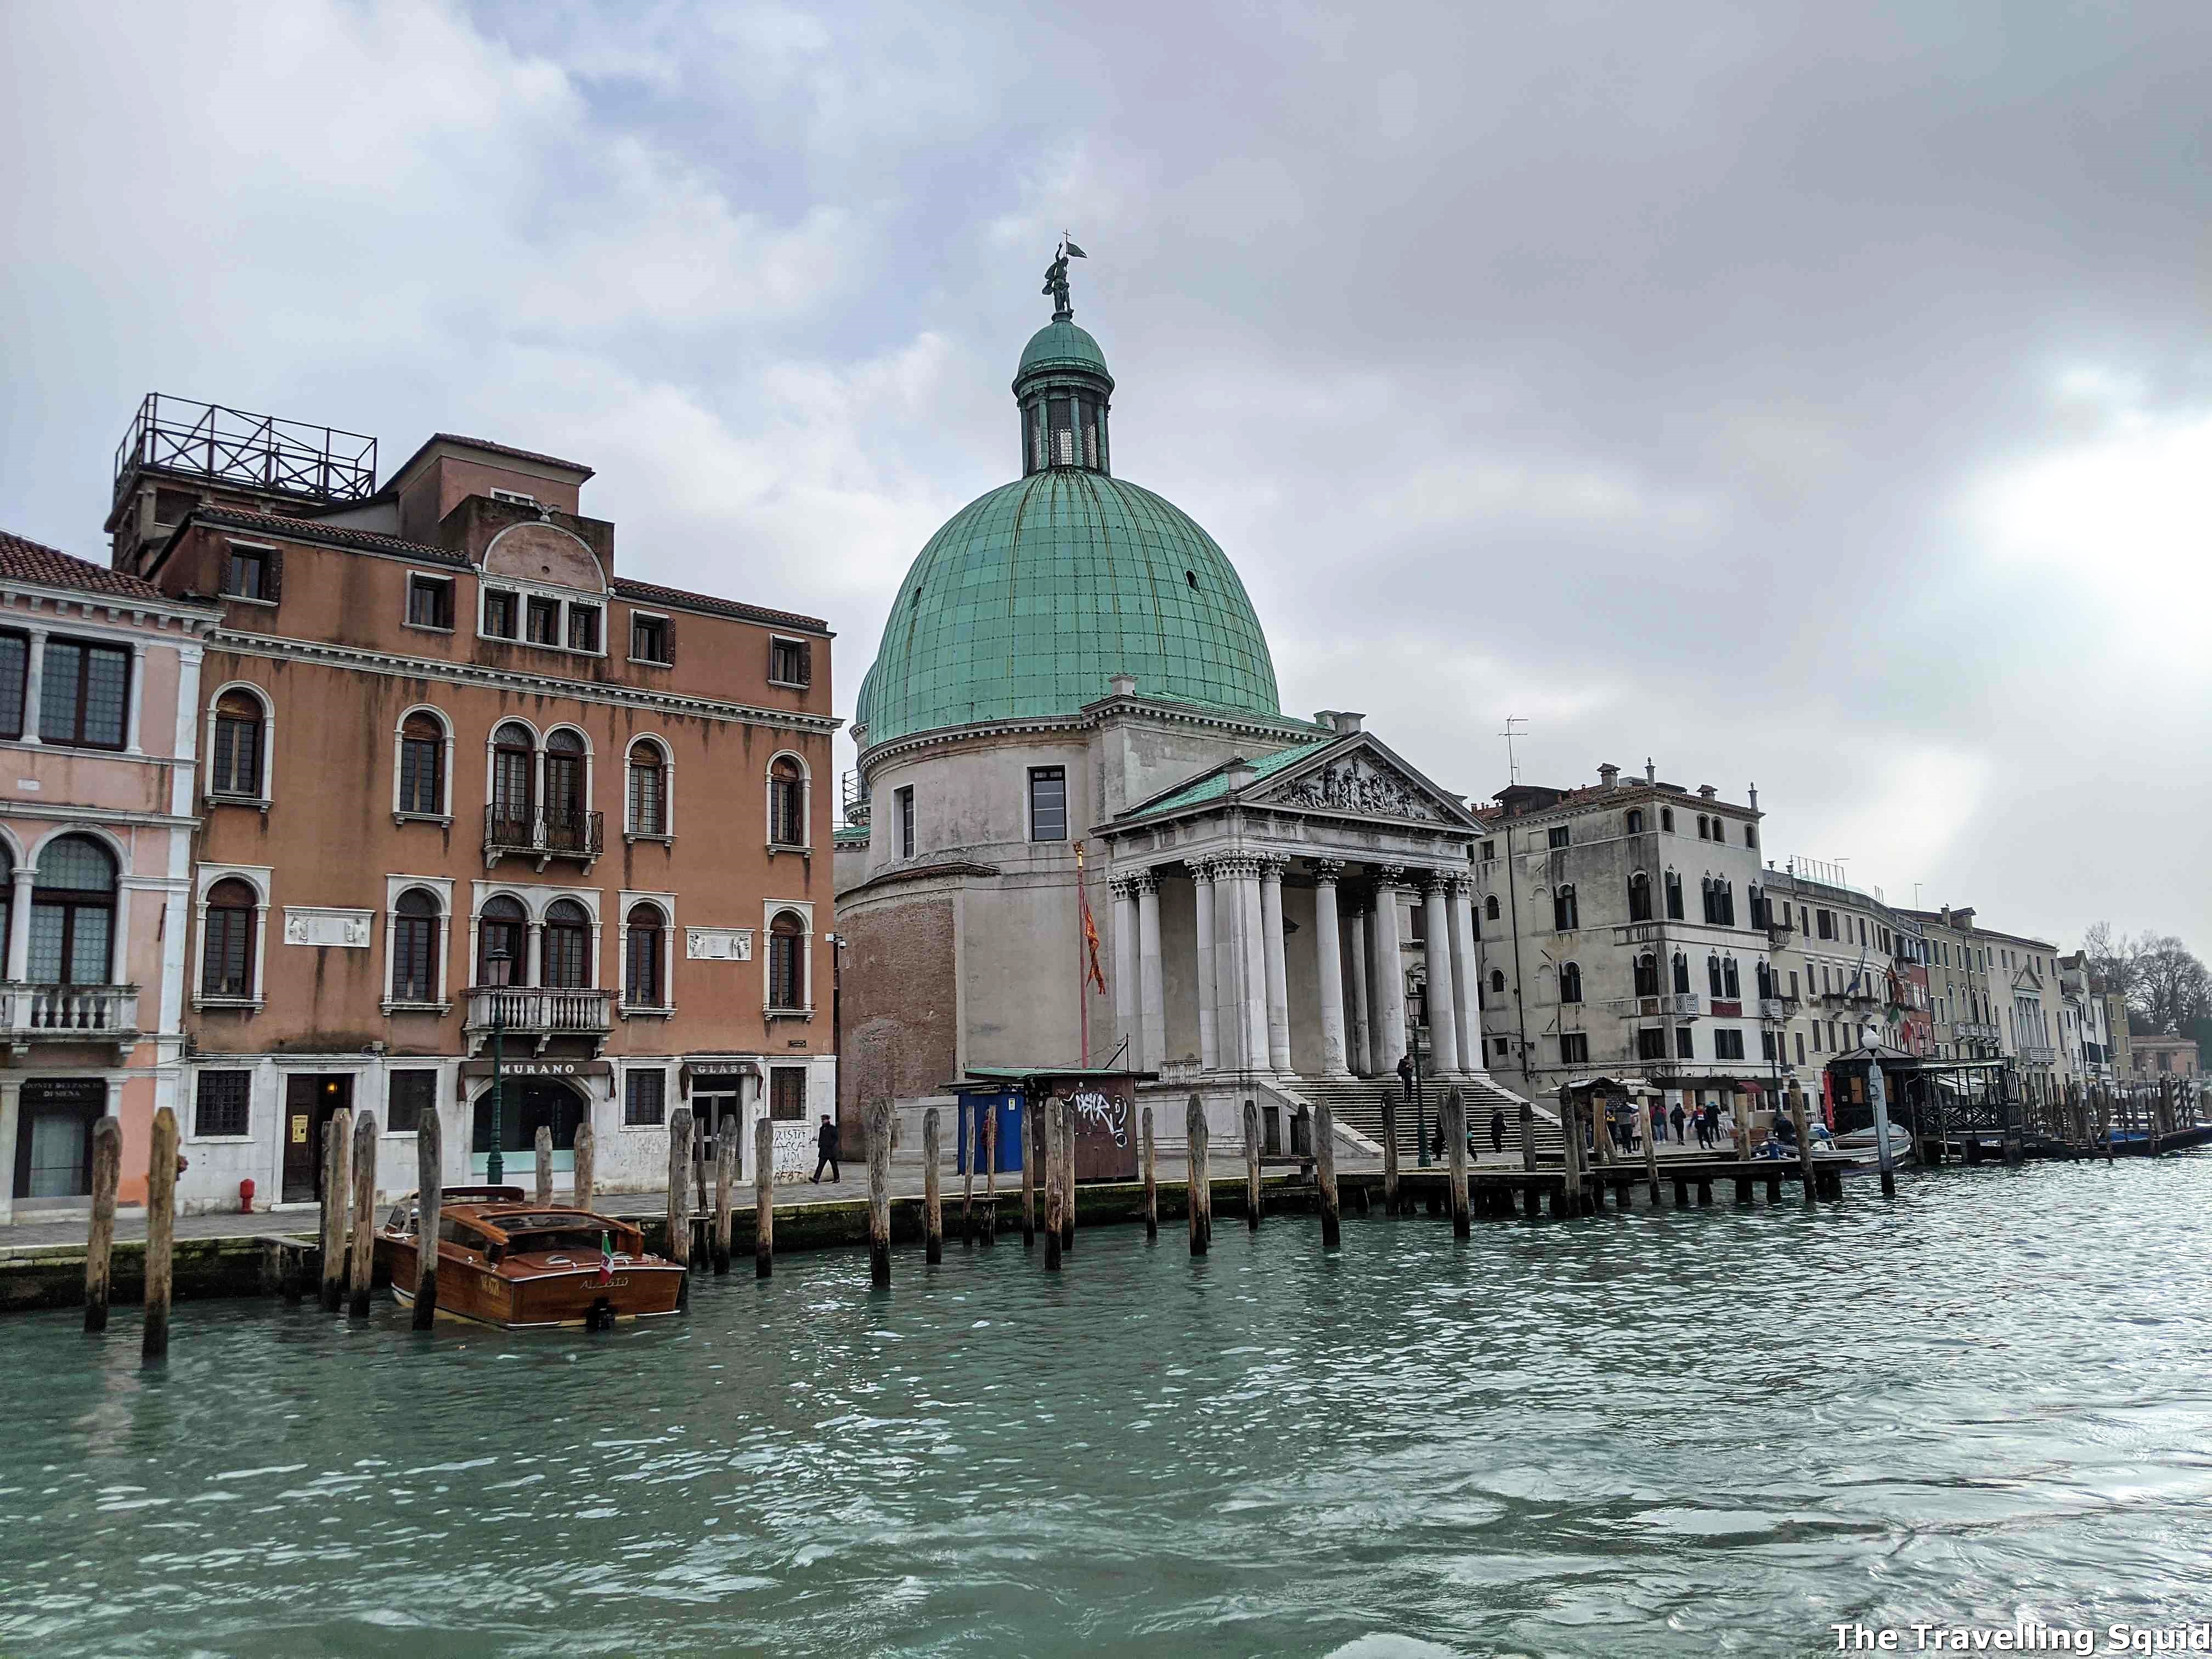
<point x="1512" y="766"/>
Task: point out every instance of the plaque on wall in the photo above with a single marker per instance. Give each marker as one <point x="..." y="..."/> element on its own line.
<point x="307" y="924"/>
<point x="718" y="943"/>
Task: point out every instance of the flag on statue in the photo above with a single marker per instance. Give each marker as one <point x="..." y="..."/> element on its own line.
<point x="1074" y="251"/>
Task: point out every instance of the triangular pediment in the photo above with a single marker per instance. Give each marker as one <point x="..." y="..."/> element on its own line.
<point x="1360" y="777"/>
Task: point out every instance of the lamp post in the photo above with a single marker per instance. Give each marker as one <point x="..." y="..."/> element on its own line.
<point x="495" y="1166"/>
<point x="1420" y="1116"/>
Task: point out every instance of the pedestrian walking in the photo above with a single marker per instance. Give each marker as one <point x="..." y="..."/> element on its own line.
<point x="1679" y="1115"/>
<point x="1406" y="1073"/>
<point x="825" y="1141"/>
<point x="1497" y="1129"/>
<point x="1659" y="1120"/>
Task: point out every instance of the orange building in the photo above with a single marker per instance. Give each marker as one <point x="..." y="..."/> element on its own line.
<point x="472" y="796"/>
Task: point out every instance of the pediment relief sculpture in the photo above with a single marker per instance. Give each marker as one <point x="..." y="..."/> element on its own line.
<point x="1356" y="783"/>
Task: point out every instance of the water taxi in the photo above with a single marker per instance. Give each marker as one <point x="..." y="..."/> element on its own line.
<point x="507" y="1262"/>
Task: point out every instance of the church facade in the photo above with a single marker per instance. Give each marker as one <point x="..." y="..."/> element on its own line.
<point x="1088" y="834"/>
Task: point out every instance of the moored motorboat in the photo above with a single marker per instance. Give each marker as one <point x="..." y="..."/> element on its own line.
<point x="507" y="1262"/>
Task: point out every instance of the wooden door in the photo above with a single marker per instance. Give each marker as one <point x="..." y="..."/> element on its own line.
<point x="310" y="1098"/>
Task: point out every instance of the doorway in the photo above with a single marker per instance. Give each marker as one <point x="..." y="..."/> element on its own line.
<point x="310" y="1099"/>
<point x="718" y="1108"/>
<point x="53" y="1144"/>
<point x="531" y="1103"/>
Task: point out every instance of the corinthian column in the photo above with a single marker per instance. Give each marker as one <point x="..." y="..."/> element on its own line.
<point x="1151" y="996"/>
<point x="1278" y="975"/>
<point x="1465" y="969"/>
<point x="1201" y="881"/>
<point x="1444" y="1016"/>
<point x="1128" y="1024"/>
<point x="1358" y="947"/>
<point x="1329" y="965"/>
<point x="1389" y="971"/>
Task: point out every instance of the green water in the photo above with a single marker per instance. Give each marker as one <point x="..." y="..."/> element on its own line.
<point x="1719" y="1431"/>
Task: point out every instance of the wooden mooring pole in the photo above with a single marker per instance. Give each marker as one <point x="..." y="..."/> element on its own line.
<point x="1151" y="1180"/>
<point x="542" y="1155"/>
<point x="337" y="1149"/>
<point x="932" y="1205"/>
<point x="1069" y="1134"/>
<point x="1740" y="1124"/>
<point x="990" y="1175"/>
<point x="1252" y="1166"/>
<point x="726" y="1188"/>
<point x="100" y="1243"/>
<point x="1029" y="1171"/>
<point x="1649" y="1123"/>
<point x="584" y="1182"/>
<point x="1389" y="1153"/>
<point x="1198" y="1177"/>
<point x="2104" y="1119"/>
<point x="764" y="1199"/>
<point x="429" y="1205"/>
<point x="679" y="1246"/>
<point x="1052" y="1198"/>
<point x="1456" y="1161"/>
<point x="1804" y="1141"/>
<point x="364" y="1214"/>
<point x="879" y="1193"/>
<point x="968" y="1110"/>
<point x="161" y="1234"/>
<point x="1324" y="1151"/>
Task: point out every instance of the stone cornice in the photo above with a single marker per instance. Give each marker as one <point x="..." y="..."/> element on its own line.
<point x="360" y="661"/>
<point x="1089" y="718"/>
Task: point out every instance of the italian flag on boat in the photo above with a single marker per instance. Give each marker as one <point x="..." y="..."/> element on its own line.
<point x="606" y="1258"/>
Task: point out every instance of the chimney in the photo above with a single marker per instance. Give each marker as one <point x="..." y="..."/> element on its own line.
<point x="1124" y="685"/>
<point x="1706" y="791"/>
<point x="1755" y="798"/>
<point x="1347" y="722"/>
<point x="1608" y="777"/>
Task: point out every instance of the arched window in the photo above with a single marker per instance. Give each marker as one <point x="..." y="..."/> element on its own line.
<point x="1713" y="974"/>
<point x="422" y="766"/>
<point x="1639" y="898"/>
<point x="226" y="940"/>
<point x="415" y="947"/>
<point x="72" y="913"/>
<point x="1731" y="981"/>
<point x="1667" y="819"/>
<point x="564" y="789"/>
<point x="1490" y="908"/>
<point x="787" y="962"/>
<point x="566" y="947"/>
<point x="786" y="803"/>
<point x="240" y="725"/>
<point x="1635" y="822"/>
<point x="1763" y="977"/>
<point x="641" y="957"/>
<point x="1673" y="897"/>
<point x="1570" y="983"/>
<point x="1681" y="973"/>
<point x="1498" y="982"/>
<point x="513" y="796"/>
<point x="648" y="788"/>
<point x="501" y="943"/>
<point x="1566" y="913"/>
<point x="1647" y="975"/>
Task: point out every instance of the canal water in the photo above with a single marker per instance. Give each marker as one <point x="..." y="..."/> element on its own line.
<point x="1720" y="1431"/>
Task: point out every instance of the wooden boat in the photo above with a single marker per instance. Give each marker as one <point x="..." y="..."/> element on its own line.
<point x="504" y="1260"/>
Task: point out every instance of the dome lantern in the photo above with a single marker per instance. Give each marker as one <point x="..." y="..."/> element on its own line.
<point x="1062" y="386"/>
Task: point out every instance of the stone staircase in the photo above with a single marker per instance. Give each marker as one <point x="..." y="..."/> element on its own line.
<point x="1356" y="1103"/>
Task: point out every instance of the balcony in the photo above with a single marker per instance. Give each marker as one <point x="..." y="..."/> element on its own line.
<point x="542" y="837"/>
<point x="1676" y="1005"/>
<point x="1848" y="999"/>
<point x="70" y="1014"/>
<point x="1779" y="932"/>
<point x="1968" y="1031"/>
<point x="1775" y="1008"/>
<point x="2039" y="1054"/>
<point x="535" y="1015"/>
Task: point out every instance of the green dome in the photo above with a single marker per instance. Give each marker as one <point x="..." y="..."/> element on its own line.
<point x="1060" y="344"/>
<point x="1031" y="598"/>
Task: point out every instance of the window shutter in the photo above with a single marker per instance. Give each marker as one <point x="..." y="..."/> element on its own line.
<point x="273" y="575"/>
<point x="668" y="639"/>
<point x="805" y="662"/>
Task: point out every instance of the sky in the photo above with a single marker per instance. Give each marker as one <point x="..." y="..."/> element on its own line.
<point x="1817" y="397"/>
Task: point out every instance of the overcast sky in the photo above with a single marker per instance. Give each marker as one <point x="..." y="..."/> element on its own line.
<point x="1816" y="397"/>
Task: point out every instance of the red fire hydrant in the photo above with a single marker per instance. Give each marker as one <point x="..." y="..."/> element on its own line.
<point x="246" y="1196"/>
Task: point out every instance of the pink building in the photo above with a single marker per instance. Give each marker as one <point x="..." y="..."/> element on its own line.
<point x="99" y="679"/>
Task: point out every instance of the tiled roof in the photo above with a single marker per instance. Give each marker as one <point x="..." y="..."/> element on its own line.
<point x="34" y="562"/>
<point x="1215" y="784"/>
<point x="318" y="529"/>
<point x="653" y="593"/>
<point x="850" y="834"/>
<point x="495" y="449"/>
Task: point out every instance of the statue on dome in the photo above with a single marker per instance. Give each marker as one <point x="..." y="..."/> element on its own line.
<point x="1055" y="278"/>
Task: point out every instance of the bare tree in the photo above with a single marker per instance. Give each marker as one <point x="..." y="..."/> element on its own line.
<point x="2110" y="961"/>
<point x="2171" y="987"/>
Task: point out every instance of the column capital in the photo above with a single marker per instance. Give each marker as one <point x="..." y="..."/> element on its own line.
<point x="1272" y="866"/>
<point x="1325" y="870"/>
<point x="1121" y="887"/>
<point x="1389" y="875"/>
<point x="1237" y="866"/>
<point x="1435" y="881"/>
<point x="1147" y="882"/>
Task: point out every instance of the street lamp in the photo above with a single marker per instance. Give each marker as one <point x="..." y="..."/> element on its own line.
<point x="1420" y="1116"/>
<point x="496" y="962"/>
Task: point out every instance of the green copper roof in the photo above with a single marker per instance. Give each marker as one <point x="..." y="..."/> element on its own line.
<point x="1062" y="345"/>
<point x="1215" y="784"/>
<point x="1031" y="598"/>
